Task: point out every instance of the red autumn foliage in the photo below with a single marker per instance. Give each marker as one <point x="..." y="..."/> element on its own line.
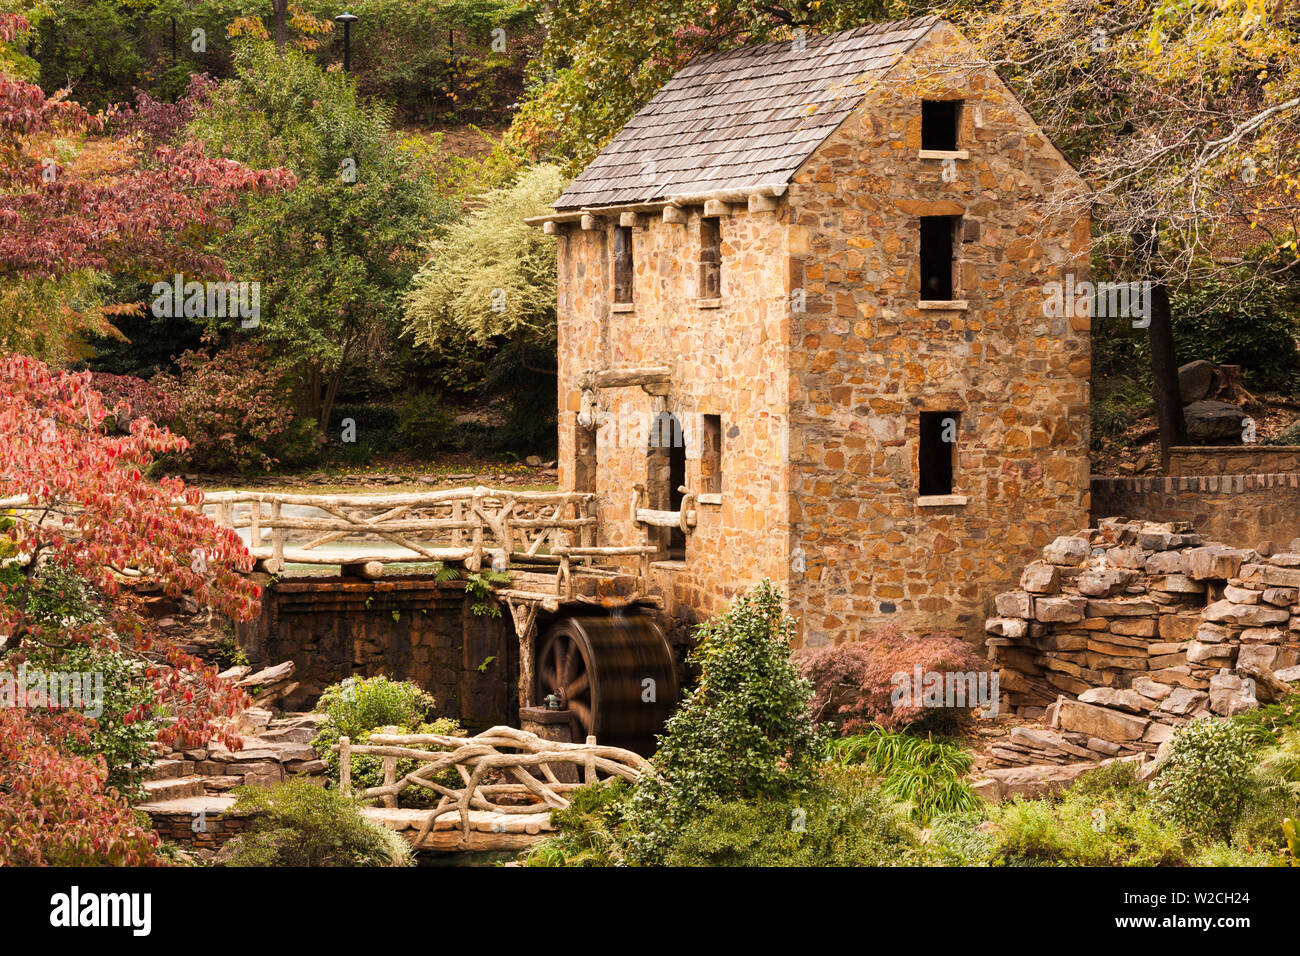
<point x="77" y="497"/>
<point x="142" y="398"/>
<point x="853" y="683"/>
<point x="235" y="408"/>
<point x="159" y="122"/>
<point x="56" y="219"/>
<point x="54" y="808"/>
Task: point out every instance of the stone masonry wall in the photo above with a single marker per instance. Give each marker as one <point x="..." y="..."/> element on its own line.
<point x="1234" y="460"/>
<point x="728" y="360"/>
<point x="867" y="360"/>
<point x="406" y="628"/>
<point x="1124" y="630"/>
<point x="1261" y="511"/>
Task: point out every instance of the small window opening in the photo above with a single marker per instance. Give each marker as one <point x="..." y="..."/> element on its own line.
<point x="711" y="455"/>
<point x="624" y="271"/>
<point x="937" y="262"/>
<point x="937" y="452"/>
<point x="710" y="258"/>
<point x="939" y="123"/>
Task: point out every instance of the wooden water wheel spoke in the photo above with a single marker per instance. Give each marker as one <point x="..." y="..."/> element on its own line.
<point x="583" y="713"/>
<point x="577" y="687"/>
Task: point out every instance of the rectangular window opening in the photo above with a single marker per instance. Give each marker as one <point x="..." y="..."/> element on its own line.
<point x="938" y="234"/>
<point x="937" y="453"/>
<point x="710" y="258"/>
<point x="711" y="455"/>
<point x="939" y="124"/>
<point x="624" y="271"/>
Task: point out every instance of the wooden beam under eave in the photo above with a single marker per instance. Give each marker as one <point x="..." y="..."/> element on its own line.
<point x="654" y="376"/>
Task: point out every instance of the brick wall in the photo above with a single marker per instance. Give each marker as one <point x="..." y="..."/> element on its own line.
<point x="1255" y="511"/>
<point x="1234" y="460"/>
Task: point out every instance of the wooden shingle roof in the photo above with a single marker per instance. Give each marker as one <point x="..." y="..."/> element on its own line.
<point x="742" y="118"/>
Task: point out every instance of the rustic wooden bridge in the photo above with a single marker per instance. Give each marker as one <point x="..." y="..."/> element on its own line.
<point x="509" y="782"/>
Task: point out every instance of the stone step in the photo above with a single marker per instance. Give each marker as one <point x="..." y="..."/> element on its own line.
<point x="168" y="769"/>
<point x="173" y="788"/>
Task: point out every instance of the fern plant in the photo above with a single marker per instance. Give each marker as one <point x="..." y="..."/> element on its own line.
<point x="478" y="585"/>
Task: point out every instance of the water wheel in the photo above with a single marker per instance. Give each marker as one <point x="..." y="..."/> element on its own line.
<point x="615" y="674"/>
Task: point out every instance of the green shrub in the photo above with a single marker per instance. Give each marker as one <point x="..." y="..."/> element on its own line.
<point x="356" y="707"/>
<point x="1117" y="779"/>
<point x="1084" y="830"/>
<point x="743" y="733"/>
<point x="1221" y="855"/>
<point x="843" y="821"/>
<point x="301" y="824"/>
<point x="1206" y="779"/>
<point x="588" y="828"/>
<point x="1267" y="724"/>
<point x="376" y="428"/>
<point x="926" y="774"/>
<point x="1231" y="324"/>
<point x="1279" y="766"/>
<point x="1259" y="826"/>
<point x="126" y="724"/>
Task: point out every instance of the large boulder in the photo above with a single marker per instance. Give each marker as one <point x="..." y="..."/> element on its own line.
<point x="1195" y="379"/>
<point x="1214" y="422"/>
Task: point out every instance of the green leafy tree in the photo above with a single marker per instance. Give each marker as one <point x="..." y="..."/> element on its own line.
<point x="334" y="255"/>
<point x="491" y="276"/>
<point x="743" y="733"/>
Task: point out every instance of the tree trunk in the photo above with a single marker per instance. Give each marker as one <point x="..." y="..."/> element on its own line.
<point x="280" y="19"/>
<point x="1165" y="391"/>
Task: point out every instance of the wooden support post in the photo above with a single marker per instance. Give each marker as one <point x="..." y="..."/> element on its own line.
<point x="589" y="771"/>
<point x="345" y="766"/>
<point x="390" y="771"/>
<point x="475" y="561"/>
<point x="277" y="537"/>
<point x="457" y="516"/>
<point x="255" y="524"/>
<point x="226" y="514"/>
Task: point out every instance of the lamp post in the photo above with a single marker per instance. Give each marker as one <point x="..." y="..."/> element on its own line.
<point x="347" y="19"/>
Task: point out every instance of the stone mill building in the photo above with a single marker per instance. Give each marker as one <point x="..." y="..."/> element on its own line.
<point x="805" y="284"/>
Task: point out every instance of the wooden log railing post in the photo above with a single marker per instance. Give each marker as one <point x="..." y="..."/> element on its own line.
<point x="390" y="771"/>
<point x="345" y="766"/>
<point x="277" y="536"/>
<point x="255" y="524"/>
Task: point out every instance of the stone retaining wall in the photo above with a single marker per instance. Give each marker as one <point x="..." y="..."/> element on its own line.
<point x="1127" y="629"/>
<point x="406" y="628"/>
<point x="1234" y="459"/>
<point x="1261" y="511"/>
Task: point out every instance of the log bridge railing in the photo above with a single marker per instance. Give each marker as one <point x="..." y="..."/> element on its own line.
<point x="503" y="771"/>
<point x="469" y="526"/>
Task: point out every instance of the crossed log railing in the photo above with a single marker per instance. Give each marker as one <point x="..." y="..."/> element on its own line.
<point x="460" y="525"/>
<point x="495" y="753"/>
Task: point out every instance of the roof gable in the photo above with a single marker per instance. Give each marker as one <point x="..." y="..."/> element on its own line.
<point x="741" y="119"/>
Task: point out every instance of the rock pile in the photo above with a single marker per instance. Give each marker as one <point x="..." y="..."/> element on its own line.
<point x="1125" y="630"/>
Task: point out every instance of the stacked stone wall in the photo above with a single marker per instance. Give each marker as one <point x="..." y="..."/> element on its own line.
<point x="1123" y="631"/>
